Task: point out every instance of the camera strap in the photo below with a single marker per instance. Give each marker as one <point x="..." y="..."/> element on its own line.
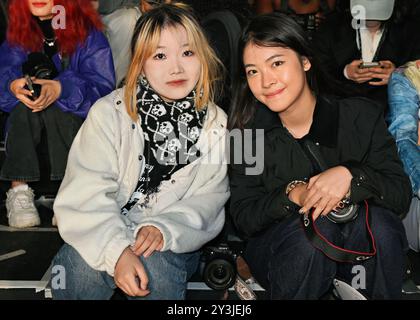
<point x="64" y="60"/>
<point x="332" y="251"/>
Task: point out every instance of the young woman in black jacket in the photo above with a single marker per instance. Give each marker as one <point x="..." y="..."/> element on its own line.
<point x="321" y="153"/>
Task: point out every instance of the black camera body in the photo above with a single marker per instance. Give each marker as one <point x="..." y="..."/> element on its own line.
<point x="38" y="66"/>
<point x="218" y="266"/>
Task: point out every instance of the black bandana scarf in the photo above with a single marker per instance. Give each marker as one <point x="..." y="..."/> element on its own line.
<point x="171" y="130"/>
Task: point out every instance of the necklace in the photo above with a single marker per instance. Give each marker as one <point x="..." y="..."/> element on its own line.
<point x="50" y="42"/>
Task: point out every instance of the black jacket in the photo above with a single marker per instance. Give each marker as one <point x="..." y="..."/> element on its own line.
<point x="349" y="132"/>
<point x="335" y="46"/>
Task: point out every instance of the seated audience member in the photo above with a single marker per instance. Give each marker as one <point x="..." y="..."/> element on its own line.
<point x="120" y="17"/>
<point x="146" y="181"/>
<point x="375" y="31"/>
<point x="49" y="79"/>
<point x="109" y="6"/>
<point x="222" y="20"/>
<point x="403" y="117"/>
<point x="320" y="156"/>
<point x="308" y="13"/>
<point x="204" y="8"/>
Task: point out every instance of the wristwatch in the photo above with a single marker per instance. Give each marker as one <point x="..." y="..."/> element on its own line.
<point x="293" y="185"/>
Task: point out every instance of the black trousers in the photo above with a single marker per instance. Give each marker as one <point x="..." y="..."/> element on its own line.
<point x="286" y="264"/>
<point x="24" y="130"/>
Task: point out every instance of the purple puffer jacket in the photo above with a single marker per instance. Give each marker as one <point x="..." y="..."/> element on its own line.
<point x="89" y="76"/>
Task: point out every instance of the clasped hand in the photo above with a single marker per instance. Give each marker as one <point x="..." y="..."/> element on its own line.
<point x="50" y="92"/>
<point x="323" y="192"/>
<point x="130" y="275"/>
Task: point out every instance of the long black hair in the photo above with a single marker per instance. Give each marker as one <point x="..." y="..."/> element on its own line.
<point x="275" y="30"/>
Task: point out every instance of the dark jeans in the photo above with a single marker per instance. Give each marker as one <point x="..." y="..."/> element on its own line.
<point x="24" y="135"/>
<point x="286" y="264"/>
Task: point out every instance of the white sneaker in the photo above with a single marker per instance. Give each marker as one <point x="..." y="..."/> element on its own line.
<point x="21" y="209"/>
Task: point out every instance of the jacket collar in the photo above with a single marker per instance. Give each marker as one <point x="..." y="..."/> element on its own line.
<point x="324" y="128"/>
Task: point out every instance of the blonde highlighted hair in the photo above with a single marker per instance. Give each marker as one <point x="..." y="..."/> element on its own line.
<point x="412" y="72"/>
<point x="145" y="42"/>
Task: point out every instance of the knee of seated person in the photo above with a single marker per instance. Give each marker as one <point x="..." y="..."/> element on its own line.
<point x="67" y="259"/>
<point x="168" y="275"/>
<point x="329" y="230"/>
<point x="62" y="269"/>
<point x="306" y="270"/>
<point x="299" y="251"/>
<point x="20" y="109"/>
<point x="387" y="228"/>
<point x="302" y="253"/>
<point x="165" y="262"/>
<point x="19" y="116"/>
<point x="297" y="240"/>
<point x="72" y="278"/>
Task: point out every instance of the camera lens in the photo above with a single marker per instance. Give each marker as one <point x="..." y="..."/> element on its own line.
<point x="346" y="214"/>
<point x="219" y="274"/>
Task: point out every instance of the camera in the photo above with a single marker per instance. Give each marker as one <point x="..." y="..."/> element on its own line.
<point x="346" y="214"/>
<point x="306" y="21"/>
<point x="38" y="66"/>
<point x="219" y="266"/>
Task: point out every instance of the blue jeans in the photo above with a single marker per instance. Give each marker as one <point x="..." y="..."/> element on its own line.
<point x="168" y="274"/>
<point x="285" y="262"/>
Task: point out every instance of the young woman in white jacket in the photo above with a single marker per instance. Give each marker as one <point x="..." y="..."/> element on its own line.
<point x="146" y="179"/>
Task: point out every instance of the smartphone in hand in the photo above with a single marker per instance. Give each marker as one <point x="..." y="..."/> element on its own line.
<point x="33" y="88"/>
<point x="365" y="65"/>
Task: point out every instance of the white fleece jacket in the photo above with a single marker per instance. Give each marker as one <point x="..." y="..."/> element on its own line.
<point x="104" y="165"/>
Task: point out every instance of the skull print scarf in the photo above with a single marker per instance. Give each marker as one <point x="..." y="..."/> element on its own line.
<point x="171" y="130"/>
